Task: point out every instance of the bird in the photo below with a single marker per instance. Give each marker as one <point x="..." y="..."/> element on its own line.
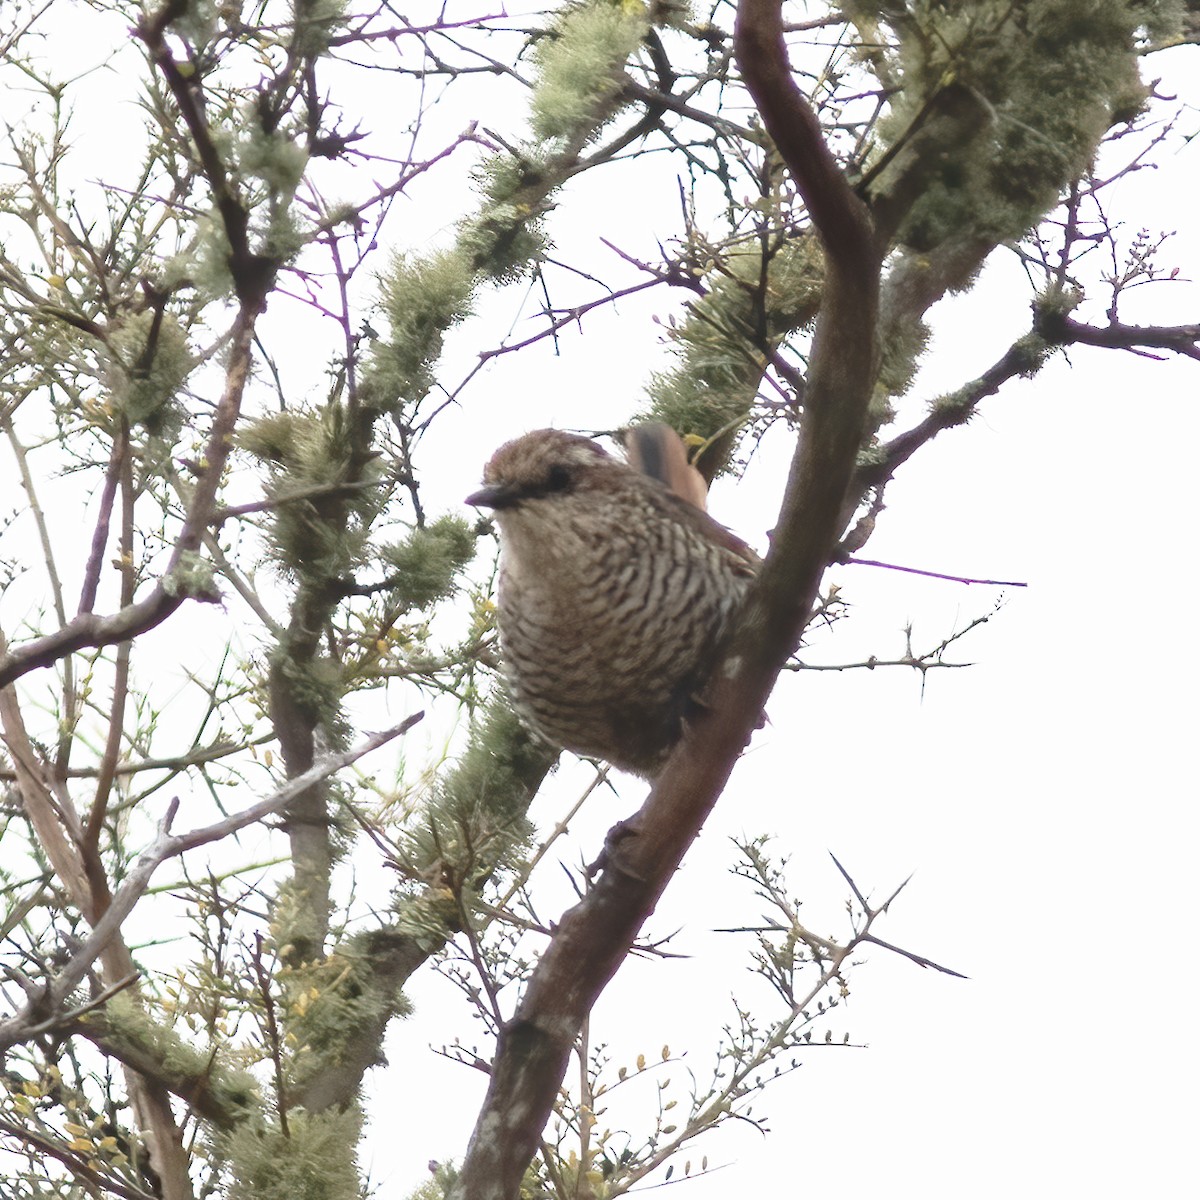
<point x="616" y="593"/>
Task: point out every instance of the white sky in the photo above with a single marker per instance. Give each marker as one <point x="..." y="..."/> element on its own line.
<point x="1045" y="798"/>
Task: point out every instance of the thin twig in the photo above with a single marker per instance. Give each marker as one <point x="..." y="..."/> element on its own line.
<point x="45" y="1014"/>
<point x="97" y="1181"/>
<point x="871" y="562"/>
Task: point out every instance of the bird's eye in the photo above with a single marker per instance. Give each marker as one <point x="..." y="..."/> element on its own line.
<point x="558" y="478"/>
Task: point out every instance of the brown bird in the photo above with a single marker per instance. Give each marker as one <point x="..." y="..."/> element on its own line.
<point x="615" y="593"/>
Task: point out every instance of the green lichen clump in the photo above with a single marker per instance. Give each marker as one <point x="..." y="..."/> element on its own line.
<point x="328" y="1004"/>
<point x="476" y="818"/>
<point x="323" y="488"/>
<point x="423" y="298"/>
<point x="719" y="355"/>
<point x="428" y="562"/>
<point x="1053" y="76"/>
<point x="579" y="63"/>
<point x="312" y="1160"/>
<point x="233" y="1092"/>
<point x="315" y="23"/>
<point x="579" y="66"/>
<point x="148" y="360"/>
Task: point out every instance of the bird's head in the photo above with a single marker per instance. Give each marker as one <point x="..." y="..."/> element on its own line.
<point x="540" y="465"/>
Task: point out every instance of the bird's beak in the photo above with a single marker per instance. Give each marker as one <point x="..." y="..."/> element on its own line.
<point x="493" y="495"/>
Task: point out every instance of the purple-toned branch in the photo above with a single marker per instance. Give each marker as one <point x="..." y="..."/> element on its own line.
<point x="1062" y="330"/>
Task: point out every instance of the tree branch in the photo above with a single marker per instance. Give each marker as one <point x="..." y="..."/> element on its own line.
<point x="841" y="218"/>
<point x="1023" y="357"/>
<point x="1060" y="330"/>
<point x="643" y="854"/>
<point x="88" y="629"/>
<point x="43" y="1012"/>
<point x="253" y="274"/>
<point x="96" y="1181"/>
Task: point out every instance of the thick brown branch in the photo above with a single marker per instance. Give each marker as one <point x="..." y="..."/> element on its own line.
<point x="594" y="937"/>
<point x="253" y="274"/>
<point x="58" y="843"/>
<point x="840" y="216"/>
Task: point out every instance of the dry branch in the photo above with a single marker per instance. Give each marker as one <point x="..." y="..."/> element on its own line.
<point x="44" y="1011"/>
<point x="89" y="630"/>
